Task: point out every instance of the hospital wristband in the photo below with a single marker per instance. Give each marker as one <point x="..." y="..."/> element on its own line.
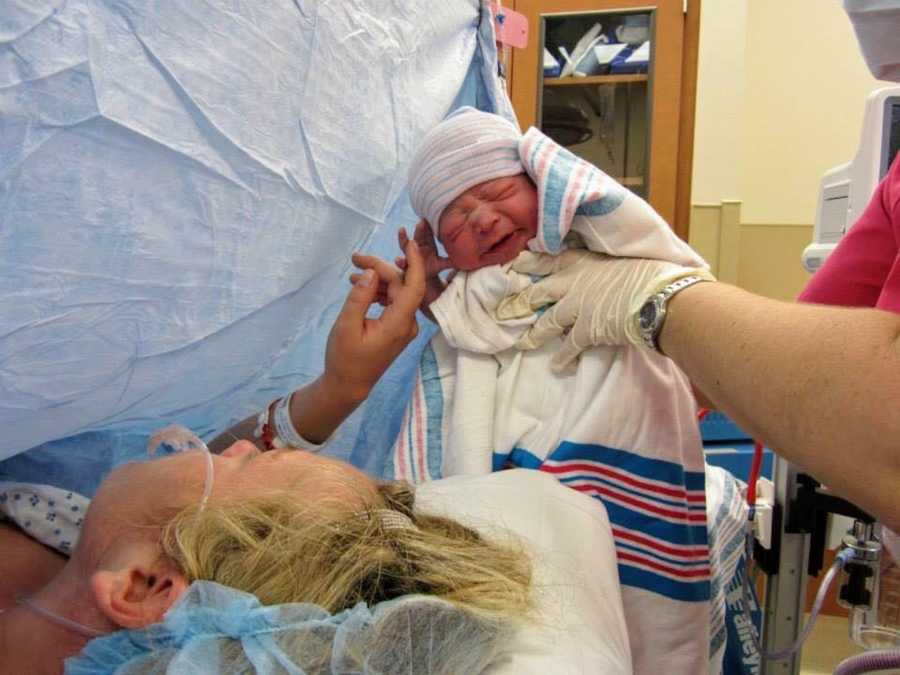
<point x="276" y="430"/>
<point x="284" y="426"/>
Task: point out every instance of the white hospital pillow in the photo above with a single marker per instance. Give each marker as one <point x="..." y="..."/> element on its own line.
<point x="580" y="624"/>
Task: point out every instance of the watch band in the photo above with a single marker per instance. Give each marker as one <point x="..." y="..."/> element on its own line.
<point x="659" y="301"/>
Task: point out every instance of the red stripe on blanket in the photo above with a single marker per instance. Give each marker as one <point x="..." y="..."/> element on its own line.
<point x="545" y="154"/>
<point x="655" y="544"/>
<point x="420" y="436"/>
<point x="585" y="467"/>
<point x="674" y="514"/>
<point x="400" y="451"/>
<point x="693" y="573"/>
<point x="574" y="188"/>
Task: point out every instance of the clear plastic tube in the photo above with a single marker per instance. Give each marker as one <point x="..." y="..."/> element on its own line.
<point x="842" y="557"/>
<point x="182" y="439"/>
<point x="870" y="635"/>
<point x="208" y="482"/>
<point x="58" y="619"/>
<point x="869" y="632"/>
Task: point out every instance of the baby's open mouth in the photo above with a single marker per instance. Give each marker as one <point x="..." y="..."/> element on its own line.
<point x="499" y="244"/>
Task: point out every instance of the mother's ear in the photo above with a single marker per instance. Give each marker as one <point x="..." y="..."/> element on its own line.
<point x="137" y="595"/>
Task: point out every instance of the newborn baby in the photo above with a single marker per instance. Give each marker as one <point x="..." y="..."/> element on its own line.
<point x="613" y="419"/>
<point x="471" y="190"/>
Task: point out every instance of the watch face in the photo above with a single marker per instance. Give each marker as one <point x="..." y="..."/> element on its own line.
<point x="647" y="316"/>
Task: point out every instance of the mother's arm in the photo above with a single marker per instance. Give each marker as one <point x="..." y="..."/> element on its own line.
<point x="359" y="349"/>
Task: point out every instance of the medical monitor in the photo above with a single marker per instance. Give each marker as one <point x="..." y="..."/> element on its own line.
<point x="846" y="189"/>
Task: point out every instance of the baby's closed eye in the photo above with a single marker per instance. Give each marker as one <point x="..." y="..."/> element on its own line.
<point x="453" y="225"/>
<point x="496" y="189"/>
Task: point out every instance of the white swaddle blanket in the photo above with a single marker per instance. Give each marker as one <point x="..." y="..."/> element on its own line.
<point x="620" y="426"/>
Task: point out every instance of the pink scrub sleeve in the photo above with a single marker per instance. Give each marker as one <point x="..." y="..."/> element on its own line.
<point x="864" y="268"/>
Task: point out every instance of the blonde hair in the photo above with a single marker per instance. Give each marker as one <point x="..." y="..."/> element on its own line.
<point x="283" y="550"/>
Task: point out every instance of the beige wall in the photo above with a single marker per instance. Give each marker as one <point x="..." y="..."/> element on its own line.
<point x="780" y="95"/>
<point x="763" y="258"/>
<point x="802" y="108"/>
<point x="720" y="88"/>
<point x="769" y="259"/>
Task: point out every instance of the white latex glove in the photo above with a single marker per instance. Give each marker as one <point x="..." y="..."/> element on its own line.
<point x="598" y="298"/>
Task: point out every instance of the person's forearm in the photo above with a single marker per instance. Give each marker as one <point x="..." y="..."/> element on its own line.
<point x="820" y="385"/>
<point x="320" y="407"/>
<point x="316" y="411"/>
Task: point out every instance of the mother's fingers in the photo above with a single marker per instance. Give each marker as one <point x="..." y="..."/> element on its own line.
<point x="381" y="296"/>
<point x="351" y="318"/>
<point x="402" y="238"/>
<point x="386" y="272"/>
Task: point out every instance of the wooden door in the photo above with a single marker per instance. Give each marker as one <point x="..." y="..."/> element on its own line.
<point x="660" y="93"/>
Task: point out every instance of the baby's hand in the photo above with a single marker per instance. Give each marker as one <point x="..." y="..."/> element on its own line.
<point x="434" y="263"/>
<point x="384" y="293"/>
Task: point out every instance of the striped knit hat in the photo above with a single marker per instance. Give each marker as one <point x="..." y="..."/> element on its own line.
<point x="467" y="148"/>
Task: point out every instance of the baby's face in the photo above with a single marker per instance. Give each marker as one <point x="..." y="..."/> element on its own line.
<point x="491" y="223"/>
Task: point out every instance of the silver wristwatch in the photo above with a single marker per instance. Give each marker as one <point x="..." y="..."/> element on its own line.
<point x="653" y="312"/>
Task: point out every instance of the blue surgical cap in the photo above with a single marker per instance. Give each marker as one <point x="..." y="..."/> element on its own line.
<point x="214" y="629"/>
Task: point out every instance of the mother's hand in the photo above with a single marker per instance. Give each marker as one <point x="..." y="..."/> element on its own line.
<point x="360" y="349"/>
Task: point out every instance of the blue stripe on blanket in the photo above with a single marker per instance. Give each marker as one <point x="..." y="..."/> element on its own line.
<point x="606" y="204"/>
<point x="678" y="534"/>
<point x="537" y="146"/>
<point x="519" y="457"/>
<point x="664" y="558"/>
<point x="634" y="561"/>
<point x="716" y="624"/>
<point x="688" y="592"/>
<point x="657" y="470"/>
<point x="434" y="412"/>
<point x="645" y="467"/>
<point x="555" y="185"/>
<point x="662" y="501"/>
<point x="647" y="543"/>
<point x="734" y="543"/>
<point x="649" y="546"/>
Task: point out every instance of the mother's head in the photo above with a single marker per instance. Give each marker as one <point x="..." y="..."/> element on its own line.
<point x="287" y="526"/>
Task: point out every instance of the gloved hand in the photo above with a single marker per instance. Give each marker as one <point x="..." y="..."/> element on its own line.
<point x="598" y="298"/>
